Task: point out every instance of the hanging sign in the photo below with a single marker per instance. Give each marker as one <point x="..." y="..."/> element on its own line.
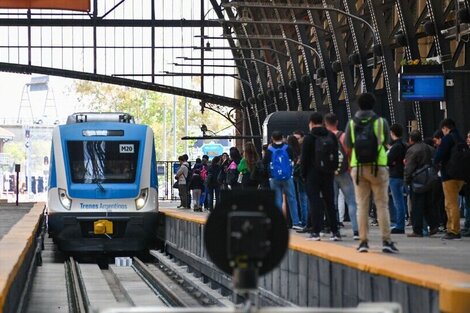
<point x="75" y="5"/>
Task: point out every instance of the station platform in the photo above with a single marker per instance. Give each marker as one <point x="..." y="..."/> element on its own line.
<point x="428" y="275"/>
<point x="10" y="214"/>
<point x="18" y="230"/>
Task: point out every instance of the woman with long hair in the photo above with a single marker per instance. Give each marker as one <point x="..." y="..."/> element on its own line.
<point x="247" y="165"/>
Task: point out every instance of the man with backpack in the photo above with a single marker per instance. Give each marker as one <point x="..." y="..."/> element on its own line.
<point x="367" y="134"/>
<point x="343" y="179"/>
<point x="278" y="160"/>
<point x="319" y="161"/>
<point x="453" y="156"/>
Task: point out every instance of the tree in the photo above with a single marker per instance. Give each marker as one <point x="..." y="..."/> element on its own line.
<point x="149" y="108"/>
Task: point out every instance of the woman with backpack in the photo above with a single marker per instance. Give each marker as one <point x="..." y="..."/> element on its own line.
<point x="247" y="166"/>
<point x="231" y="178"/>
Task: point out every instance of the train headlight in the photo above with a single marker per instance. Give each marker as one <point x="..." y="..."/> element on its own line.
<point x="142" y="199"/>
<point x="64" y="199"/>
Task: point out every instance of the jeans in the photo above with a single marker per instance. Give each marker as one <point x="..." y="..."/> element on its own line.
<point x="318" y="182"/>
<point x="302" y="200"/>
<point x="396" y="188"/>
<point x="210" y="197"/>
<point x="467" y="207"/>
<point x="345" y="183"/>
<point x="287" y="187"/>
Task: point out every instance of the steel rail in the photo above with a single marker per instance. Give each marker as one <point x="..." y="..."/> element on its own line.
<point x="79" y="302"/>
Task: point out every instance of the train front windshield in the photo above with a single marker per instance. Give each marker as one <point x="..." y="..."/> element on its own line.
<point x="98" y="161"/>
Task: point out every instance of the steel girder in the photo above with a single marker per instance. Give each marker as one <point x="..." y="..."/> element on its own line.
<point x="28" y="69"/>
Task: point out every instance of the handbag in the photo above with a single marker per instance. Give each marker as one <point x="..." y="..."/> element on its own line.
<point x="175" y="184"/>
<point x="423" y="179"/>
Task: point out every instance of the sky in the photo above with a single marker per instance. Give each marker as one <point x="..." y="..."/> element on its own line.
<point x="11" y="91"/>
<point x="71" y="48"/>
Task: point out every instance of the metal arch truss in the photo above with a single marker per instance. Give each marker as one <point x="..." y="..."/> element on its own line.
<point x="359" y="65"/>
<point x="321" y="69"/>
<point x="85" y="45"/>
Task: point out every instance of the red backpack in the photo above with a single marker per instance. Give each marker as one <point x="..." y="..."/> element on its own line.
<point x="204" y="173"/>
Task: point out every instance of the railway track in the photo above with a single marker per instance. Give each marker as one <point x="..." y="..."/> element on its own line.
<point x="69" y="285"/>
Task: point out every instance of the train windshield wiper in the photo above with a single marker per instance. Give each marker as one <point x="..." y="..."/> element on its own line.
<point x="98" y="183"/>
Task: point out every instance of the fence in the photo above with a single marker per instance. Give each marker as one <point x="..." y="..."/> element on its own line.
<point x="166" y="178"/>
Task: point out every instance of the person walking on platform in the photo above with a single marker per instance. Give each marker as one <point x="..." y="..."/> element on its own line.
<point x="445" y="156"/>
<point x="319" y="162"/>
<point x="417" y="158"/>
<point x="395" y="158"/>
<point x="367" y="134"/>
<point x="278" y="159"/>
<point x="181" y="176"/>
<point x="343" y="179"/>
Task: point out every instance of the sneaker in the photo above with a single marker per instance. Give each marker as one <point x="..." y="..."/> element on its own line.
<point x="340" y="225"/>
<point x="356" y="235"/>
<point x="389" y="247"/>
<point x="297" y="227"/>
<point x="466" y="233"/>
<point x="304" y="230"/>
<point x="363" y="247"/>
<point x="314" y="237"/>
<point x="374" y="222"/>
<point x="397" y="231"/>
<point x="335" y="236"/>
<point x="433" y="231"/>
<point x="414" y="235"/>
<point x="451" y="236"/>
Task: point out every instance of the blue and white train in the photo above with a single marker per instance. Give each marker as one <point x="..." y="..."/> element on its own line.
<point x="103" y="189"/>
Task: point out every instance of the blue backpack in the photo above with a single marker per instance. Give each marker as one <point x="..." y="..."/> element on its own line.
<point x="281" y="165"/>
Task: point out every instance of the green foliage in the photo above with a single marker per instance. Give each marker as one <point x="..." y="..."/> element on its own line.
<point x="149" y="108"/>
<point x="16" y="150"/>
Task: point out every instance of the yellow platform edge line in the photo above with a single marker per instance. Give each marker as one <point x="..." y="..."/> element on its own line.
<point x="11" y="262"/>
<point x="453" y="286"/>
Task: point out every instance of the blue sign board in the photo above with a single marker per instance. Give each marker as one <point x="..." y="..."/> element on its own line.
<point x="212" y="150"/>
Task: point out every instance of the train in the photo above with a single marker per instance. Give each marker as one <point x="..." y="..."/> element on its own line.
<point x="103" y="187"/>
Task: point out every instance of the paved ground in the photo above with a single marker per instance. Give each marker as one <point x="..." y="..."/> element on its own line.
<point x="431" y="250"/>
<point x="10" y="214"/>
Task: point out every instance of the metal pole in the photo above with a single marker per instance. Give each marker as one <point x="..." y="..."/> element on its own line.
<point x="165" y="152"/>
<point x="174" y="127"/>
<point x="186" y="115"/>
<point x="202" y="45"/>
<point x="17" y="184"/>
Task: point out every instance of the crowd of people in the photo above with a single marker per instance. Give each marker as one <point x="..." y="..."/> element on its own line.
<point x="369" y="169"/>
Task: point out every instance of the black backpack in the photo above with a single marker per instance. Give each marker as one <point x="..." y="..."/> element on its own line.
<point x="365" y="141"/>
<point x="343" y="162"/>
<point x="458" y="166"/>
<point x="326" y="153"/>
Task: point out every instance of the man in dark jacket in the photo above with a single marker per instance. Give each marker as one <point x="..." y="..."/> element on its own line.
<point x="450" y="185"/>
<point x="395" y="157"/>
<point x="318" y="181"/>
<point x="417" y="156"/>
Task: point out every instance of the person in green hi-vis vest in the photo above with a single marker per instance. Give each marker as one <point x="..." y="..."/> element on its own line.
<point x="367" y="135"/>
